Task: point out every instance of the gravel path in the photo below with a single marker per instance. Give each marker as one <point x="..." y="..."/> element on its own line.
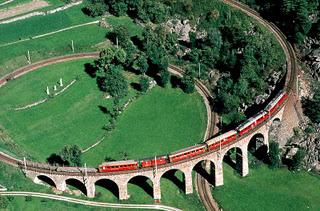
<point x="22" y="8"/>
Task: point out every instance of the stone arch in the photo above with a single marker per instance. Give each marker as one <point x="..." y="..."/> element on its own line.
<point x="109" y="185"/>
<point x="175" y="178"/>
<point x="257" y="146"/>
<point x="277" y="119"/>
<point x="77" y="184"/>
<point x="206" y="169"/>
<point x="144" y="182"/>
<point x="233" y="157"/>
<point x="43" y="179"/>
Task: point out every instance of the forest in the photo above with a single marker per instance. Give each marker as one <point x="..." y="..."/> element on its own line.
<point x="227" y="50"/>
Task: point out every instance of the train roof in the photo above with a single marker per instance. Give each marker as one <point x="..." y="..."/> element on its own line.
<point x="222" y="136"/>
<point x="250" y="120"/>
<point x="181" y="151"/>
<point x="275" y="100"/>
<point x="121" y="162"/>
<point x="152" y="158"/>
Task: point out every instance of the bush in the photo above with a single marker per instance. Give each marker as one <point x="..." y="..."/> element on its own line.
<point x="297" y="160"/>
<point x="144" y="84"/>
<point x="274" y="155"/>
<point x="164" y="77"/>
<point x="4" y="202"/>
<point x="95" y="8"/>
<point x="28" y="198"/>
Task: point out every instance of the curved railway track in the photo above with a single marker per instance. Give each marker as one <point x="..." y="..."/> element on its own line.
<point x="203" y="186"/>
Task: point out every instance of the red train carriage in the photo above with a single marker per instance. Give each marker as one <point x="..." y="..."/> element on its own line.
<point x="276" y="103"/>
<point x="245" y="127"/>
<point x="150" y="162"/>
<point x="223" y="139"/>
<point x="252" y="122"/>
<point x="114" y="166"/>
<point x="187" y="153"/>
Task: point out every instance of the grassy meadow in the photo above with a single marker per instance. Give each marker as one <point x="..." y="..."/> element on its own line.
<point x="266" y="189"/>
<point x="149" y="126"/>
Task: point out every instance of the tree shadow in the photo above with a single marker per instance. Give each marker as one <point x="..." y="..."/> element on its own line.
<point x="135" y="86"/>
<point x="175" y="81"/>
<point x="142" y="182"/>
<point x="109" y="185"/>
<point x="55" y="159"/>
<point x="171" y="175"/>
<point x="90" y="69"/>
<point x="103" y="109"/>
<point x="101" y="83"/>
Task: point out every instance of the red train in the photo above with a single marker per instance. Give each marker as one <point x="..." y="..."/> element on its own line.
<point x="222" y="140"/>
<point x="150" y="162"/>
<point x="199" y="149"/>
<point x="187" y="153"/>
<point x="114" y="166"/>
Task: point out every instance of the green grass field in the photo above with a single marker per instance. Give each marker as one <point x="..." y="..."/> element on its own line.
<point x="161" y="121"/>
<point x="48" y="23"/>
<point x="266" y="189"/>
<point x="85" y="39"/>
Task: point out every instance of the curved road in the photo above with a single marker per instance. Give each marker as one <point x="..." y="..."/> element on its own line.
<point x="88" y="203"/>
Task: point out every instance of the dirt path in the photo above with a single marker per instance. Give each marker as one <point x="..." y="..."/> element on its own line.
<point x="22" y="8"/>
<point x="6" y="2"/>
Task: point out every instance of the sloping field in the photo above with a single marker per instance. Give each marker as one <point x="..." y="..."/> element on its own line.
<point x="22" y="8"/>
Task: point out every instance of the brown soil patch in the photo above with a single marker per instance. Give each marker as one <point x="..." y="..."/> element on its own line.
<point x="22" y="8"/>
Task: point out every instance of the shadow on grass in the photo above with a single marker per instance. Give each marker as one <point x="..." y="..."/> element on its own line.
<point x="172" y="176"/>
<point x="77" y="184"/>
<point x="142" y="182"/>
<point x="109" y="185"/>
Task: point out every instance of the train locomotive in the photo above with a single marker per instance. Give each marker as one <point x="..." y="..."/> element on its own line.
<point x="213" y="144"/>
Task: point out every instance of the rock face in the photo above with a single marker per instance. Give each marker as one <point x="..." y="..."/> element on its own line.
<point x="311" y="56"/>
<point x="310" y="142"/>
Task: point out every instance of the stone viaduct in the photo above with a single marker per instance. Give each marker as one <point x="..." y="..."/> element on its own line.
<point x="87" y="182"/>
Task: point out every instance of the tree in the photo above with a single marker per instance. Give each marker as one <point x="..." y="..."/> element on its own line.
<point x="144" y="84"/>
<point x="188" y="81"/>
<point x="121" y="32"/>
<point x="115" y="83"/>
<point x="297" y="160"/>
<point x="141" y="64"/>
<point x="274" y="155"/>
<point x="312" y="107"/>
<point x="164" y="77"/>
<point x="71" y="155"/>
<point x="3" y="202"/>
<point x="111" y="55"/>
<point x="119" y="8"/>
<point x="96" y="8"/>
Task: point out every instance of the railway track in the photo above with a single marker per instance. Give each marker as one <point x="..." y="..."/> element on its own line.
<point x="204" y="188"/>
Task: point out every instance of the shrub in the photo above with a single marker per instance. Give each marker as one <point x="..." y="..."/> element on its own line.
<point x="144" y="84"/>
<point x="297" y="160"/>
<point x="274" y="155"/>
